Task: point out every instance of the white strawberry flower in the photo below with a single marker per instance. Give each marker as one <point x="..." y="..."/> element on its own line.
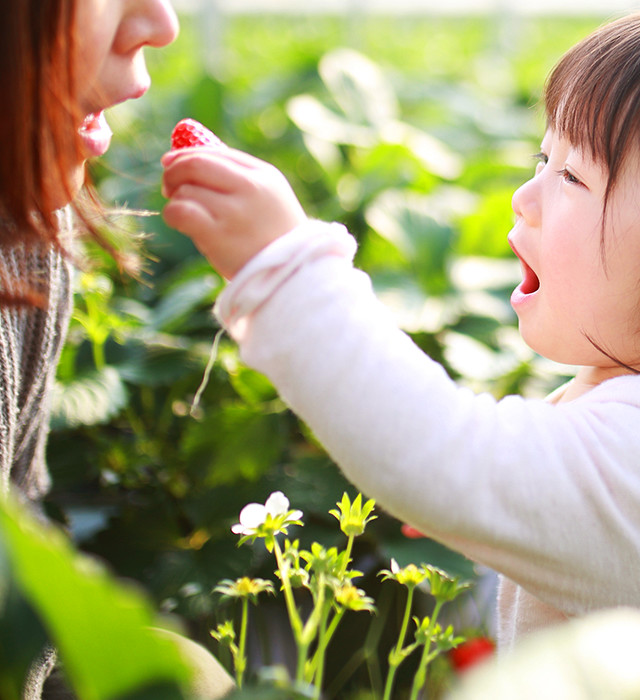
<point x="268" y="519"/>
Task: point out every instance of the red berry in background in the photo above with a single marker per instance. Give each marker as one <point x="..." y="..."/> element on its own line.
<point x="189" y="132"/>
<point x="471" y="652"/>
<point x="411" y="532"/>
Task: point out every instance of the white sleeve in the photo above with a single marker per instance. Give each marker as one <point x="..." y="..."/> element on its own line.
<point x="547" y="495"/>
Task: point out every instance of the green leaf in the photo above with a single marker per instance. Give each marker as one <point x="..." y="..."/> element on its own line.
<point x="182" y="299"/>
<point x="100" y="628"/>
<point x="154" y="364"/>
<point x="475" y="360"/>
<point x="22" y="636"/>
<point x="359" y="87"/>
<point x="418" y="231"/>
<point x="237" y="442"/>
<point x="406" y="551"/>
<point x="432" y="153"/>
<point x="312" y="117"/>
<point x="484" y="232"/>
<point x="91" y="399"/>
<point x="252" y="386"/>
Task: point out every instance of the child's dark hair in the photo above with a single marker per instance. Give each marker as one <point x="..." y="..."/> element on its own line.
<point x="592" y="96"/>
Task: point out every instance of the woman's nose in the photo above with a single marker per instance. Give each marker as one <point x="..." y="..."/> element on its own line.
<point x="148" y="23"/>
<point x="526" y="202"/>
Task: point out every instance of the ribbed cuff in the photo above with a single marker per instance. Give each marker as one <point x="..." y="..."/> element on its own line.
<point x="267" y="271"/>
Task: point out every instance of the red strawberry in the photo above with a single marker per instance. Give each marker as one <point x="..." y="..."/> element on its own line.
<point x="411" y="532"/>
<point x="471" y="652"/>
<point x="189" y="132"/>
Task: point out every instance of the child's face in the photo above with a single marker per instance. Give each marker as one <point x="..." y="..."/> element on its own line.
<point x="110" y="65"/>
<point x="580" y="281"/>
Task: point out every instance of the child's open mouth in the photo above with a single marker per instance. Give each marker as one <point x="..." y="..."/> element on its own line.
<point x="530" y="282"/>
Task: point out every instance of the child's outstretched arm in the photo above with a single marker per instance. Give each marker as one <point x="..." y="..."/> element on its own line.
<point x="229" y="203"/>
<point x="514" y="484"/>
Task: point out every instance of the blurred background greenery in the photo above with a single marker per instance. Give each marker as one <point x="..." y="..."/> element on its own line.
<point x="414" y="132"/>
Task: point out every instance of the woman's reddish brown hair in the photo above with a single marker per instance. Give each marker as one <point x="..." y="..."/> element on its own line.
<point x="39" y="124"/>
<point x="38" y="118"/>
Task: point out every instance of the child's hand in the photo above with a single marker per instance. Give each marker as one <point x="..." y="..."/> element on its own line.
<point x="229" y="203"/>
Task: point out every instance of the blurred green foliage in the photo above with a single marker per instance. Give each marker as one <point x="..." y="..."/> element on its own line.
<point x="413" y="132"/>
<point x="103" y="631"/>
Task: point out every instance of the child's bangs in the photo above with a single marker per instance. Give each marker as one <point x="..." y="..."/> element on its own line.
<point x="592" y="97"/>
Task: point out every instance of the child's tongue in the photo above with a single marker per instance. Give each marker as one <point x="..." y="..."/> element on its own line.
<point x="530" y="281"/>
<point x="96" y="134"/>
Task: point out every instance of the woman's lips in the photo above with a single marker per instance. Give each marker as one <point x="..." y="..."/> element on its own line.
<point x="96" y="134"/>
<point x="95" y="131"/>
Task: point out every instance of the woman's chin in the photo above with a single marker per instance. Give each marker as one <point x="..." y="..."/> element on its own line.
<point x="65" y="193"/>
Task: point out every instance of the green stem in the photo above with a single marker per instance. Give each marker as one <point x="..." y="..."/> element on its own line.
<point x="334" y="624"/>
<point x="316" y="656"/>
<point x="98" y="355"/>
<point x="303" y="651"/>
<point x="241" y="661"/>
<point x="94" y="327"/>
<point x="395" y="657"/>
<point x="347" y="557"/>
<point x="283" y="567"/>
<point x="420" y="678"/>
<point x="311" y="630"/>
<point x="326" y="632"/>
<point x="135" y="423"/>
<point x="299" y="632"/>
<point x="319" y="658"/>
<point x="311" y="626"/>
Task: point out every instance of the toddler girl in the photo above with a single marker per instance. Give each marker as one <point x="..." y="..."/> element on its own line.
<point x="545" y="492"/>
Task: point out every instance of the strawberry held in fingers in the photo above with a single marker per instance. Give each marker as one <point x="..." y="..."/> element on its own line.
<point x="188" y="133"/>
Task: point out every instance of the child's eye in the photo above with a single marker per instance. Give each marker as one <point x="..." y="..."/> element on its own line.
<point x="568" y="177"/>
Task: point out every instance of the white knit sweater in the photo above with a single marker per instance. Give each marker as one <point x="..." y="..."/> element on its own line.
<point x="547" y="495"/>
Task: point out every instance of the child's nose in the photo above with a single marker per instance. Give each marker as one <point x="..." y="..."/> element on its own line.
<point x="148" y="23"/>
<point x="526" y="202"/>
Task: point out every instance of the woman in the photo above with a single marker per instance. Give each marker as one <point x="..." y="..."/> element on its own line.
<point x="64" y="63"/>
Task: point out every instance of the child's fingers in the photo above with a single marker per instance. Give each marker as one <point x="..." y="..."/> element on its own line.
<point x="175" y="154"/>
<point x="208" y="198"/>
<point x="187" y="215"/>
<point x="204" y="218"/>
<point x="193" y="216"/>
<point x="230" y="154"/>
<point x="203" y="170"/>
<point x="213" y="169"/>
<point x="233" y="155"/>
<point x="247" y="160"/>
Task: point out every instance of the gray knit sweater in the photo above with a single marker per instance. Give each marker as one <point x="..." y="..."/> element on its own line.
<point x="30" y="343"/>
